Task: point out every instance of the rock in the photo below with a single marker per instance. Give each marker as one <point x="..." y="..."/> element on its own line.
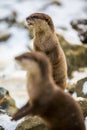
<point x="7" y="103"/>
<point x="3" y="102"/>
<point x="10" y="19"/>
<point x="81" y="97"/>
<point x="2" y="92"/>
<point x="4" y="35"/>
<point x="1" y="128"/>
<point x="83" y="104"/>
<point x="79" y="88"/>
<point x="80" y="26"/>
<point x="63" y="28"/>
<point x="54" y="2"/>
<point x="31" y="123"/>
<point x="83" y="36"/>
<point x="76" y="55"/>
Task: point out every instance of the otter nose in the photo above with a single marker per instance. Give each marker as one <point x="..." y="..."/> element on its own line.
<point x="27" y="18"/>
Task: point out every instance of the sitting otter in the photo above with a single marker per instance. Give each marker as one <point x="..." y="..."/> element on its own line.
<point x="46" y="41"/>
<point x="58" y="109"/>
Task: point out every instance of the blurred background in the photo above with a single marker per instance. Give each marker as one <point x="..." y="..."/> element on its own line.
<point x="70" y="19"/>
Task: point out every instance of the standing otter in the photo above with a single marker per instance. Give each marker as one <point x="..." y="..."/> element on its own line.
<point x="45" y="40"/>
<point x="58" y="110"/>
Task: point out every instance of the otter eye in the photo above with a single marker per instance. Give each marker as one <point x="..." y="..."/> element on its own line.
<point x="47" y="20"/>
<point x="29" y="57"/>
<point x="25" y="57"/>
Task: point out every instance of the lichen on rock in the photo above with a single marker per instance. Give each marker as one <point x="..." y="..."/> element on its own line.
<point x="31" y="123"/>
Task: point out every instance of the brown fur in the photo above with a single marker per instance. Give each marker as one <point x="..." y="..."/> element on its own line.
<point x="58" y="110"/>
<point x="45" y="40"/>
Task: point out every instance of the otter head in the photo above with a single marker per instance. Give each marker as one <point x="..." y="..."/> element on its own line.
<point x="34" y="62"/>
<point x="39" y="21"/>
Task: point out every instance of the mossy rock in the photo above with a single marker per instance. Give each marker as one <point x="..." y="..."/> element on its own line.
<point x="79" y="88"/>
<point x="83" y="104"/>
<point x="76" y="55"/>
<point x="31" y="123"/>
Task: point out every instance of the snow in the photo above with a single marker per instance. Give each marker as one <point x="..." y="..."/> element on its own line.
<point x="85" y="88"/>
<point x="6" y="122"/>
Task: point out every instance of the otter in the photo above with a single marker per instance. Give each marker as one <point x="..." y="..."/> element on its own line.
<point x="46" y="41"/>
<point x="58" y="109"/>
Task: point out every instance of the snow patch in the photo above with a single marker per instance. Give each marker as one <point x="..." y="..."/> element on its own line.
<point x="79" y="99"/>
<point x="6" y="122"/>
<point x="84" y="90"/>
